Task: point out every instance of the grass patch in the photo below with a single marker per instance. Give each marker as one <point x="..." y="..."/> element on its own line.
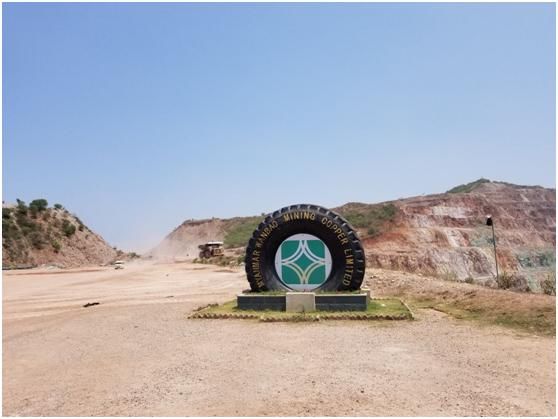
<point x="468" y="187"/>
<point x="378" y="309"/>
<point x="534" y="319"/>
<point x="373" y="218"/>
<point x="239" y="231"/>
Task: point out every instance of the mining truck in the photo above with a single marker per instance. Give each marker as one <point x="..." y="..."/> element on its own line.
<point x="211" y="249"/>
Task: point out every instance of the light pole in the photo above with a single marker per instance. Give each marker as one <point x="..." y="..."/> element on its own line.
<point x="490" y="222"/>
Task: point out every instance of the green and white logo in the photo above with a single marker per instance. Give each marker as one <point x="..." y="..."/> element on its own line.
<point x="303" y="262"/>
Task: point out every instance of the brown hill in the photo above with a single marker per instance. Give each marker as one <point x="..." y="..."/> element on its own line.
<point x="37" y="235"/>
<point x="444" y="234"/>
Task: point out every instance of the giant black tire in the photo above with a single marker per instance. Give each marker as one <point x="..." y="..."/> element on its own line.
<point x="347" y="254"/>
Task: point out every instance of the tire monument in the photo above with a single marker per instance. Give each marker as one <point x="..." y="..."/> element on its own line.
<point x="304" y="249"/>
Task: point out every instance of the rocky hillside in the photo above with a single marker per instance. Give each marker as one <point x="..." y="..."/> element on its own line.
<point x="35" y="234"/>
<point x="444" y="234"/>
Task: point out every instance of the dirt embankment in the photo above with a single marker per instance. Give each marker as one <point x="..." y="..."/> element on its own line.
<point x="183" y="241"/>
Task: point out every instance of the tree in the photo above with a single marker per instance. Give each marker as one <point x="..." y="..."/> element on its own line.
<point x="38" y="205"/>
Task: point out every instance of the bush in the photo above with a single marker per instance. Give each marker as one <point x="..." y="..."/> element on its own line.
<point x="26" y="225"/>
<point x="469" y="280"/>
<point x="36" y="240"/>
<point x="56" y="246"/>
<point x="68" y="228"/>
<point x="514" y="282"/>
<point x="548" y="285"/>
<point x="9" y="228"/>
<point x="21" y="207"/>
<point x="6" y="213"/>
<point x="81" y="226"/>
<point x="58" y="206"/>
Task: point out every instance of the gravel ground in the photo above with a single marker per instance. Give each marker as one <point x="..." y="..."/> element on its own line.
<point x="138" y="354"/>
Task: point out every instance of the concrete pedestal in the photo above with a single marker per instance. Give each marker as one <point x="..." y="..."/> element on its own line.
<point x="367" y="292"/>
<point x="300" y="302"/>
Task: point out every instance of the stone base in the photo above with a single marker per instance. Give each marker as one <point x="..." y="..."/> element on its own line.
<point x="301" y="302"/>
<point x="304" y="302"/>
<point x="261" y="302"/>
<point x="341" y="302"/>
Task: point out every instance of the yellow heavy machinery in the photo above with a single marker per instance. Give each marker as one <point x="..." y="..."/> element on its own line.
<point x="211" y="249"/>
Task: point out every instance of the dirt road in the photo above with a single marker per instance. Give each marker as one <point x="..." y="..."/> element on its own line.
<point x="136" y="353"/>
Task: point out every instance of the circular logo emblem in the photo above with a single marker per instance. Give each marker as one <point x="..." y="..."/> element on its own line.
<point x="303" y="262"/>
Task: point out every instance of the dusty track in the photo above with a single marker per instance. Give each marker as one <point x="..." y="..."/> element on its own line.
<point x="137" y="354"/>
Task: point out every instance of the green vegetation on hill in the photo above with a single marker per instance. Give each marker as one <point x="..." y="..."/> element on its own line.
<point x="36" y="226"/>
<point x="373" y="218"/>
<point x="468" y="187"/>
<point x="239" y="230"/>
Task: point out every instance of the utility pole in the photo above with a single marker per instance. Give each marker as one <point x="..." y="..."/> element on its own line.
<point x="490" y="222"/>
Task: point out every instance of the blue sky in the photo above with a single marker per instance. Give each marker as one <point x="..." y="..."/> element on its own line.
<point x="139" y="116"/>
